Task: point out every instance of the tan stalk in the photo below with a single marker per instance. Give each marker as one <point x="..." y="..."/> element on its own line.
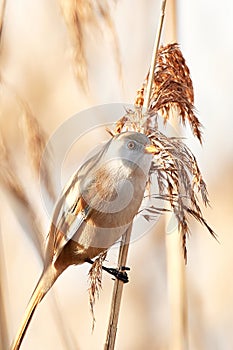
<point x="117" y="294"/>
<point x="154" y="56"/>
<point x="176" y="279"/>
<point x="123" y="253"/>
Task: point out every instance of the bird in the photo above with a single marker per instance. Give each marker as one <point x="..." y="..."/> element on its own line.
<point x="94" y="210"/>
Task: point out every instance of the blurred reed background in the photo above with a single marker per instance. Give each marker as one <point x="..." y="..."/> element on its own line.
<point x="39" y="90"/>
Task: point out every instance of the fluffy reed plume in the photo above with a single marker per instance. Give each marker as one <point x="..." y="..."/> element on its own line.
<point x="80" y="15"/>
<point x="174" y="167"/>
<point x="172" y="89"/>
<point x="179" y="182"/>
<point x="95" y="281"/>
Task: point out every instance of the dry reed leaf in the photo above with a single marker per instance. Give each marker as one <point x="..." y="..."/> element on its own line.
<point x="104" y="10"/>
<point x="172" y="89"/>
<point x="95" y="281"/>
<point x="11" y="183"/>
<point x="77" y="15"/>
<point x="74" y="13"/>
<point x="35" y="139"/>
<point x="34" y="136"/>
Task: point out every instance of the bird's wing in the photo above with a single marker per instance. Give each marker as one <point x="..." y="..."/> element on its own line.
<point x="70" y="212"/>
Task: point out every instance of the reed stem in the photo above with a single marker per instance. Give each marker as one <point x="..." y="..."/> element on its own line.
<point x="154" y="56"/>
<point x="117" y="294"/>
<point x="118" y="286"/>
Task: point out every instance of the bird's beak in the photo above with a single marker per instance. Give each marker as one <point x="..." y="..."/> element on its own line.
<point x="151" y="149"/>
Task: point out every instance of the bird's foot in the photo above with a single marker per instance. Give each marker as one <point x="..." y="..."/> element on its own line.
<point x="120" y="273"/>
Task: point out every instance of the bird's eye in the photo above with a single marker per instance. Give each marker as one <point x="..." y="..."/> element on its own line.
<point x="131" y="145"/>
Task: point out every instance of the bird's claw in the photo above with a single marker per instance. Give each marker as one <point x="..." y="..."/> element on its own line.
<point x="120" y="275"/>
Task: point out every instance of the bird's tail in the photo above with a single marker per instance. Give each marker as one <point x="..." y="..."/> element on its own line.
<point x="45" y="282"/>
